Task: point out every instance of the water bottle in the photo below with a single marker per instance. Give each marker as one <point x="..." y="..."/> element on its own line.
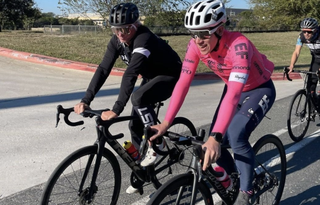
<point x="225" y="179"/>
<point x="131" y="150"/>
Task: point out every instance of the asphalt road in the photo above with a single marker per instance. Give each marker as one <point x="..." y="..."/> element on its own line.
<point x="31" y="146"/>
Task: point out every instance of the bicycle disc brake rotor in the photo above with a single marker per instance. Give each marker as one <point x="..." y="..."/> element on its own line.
<point x="302" y="115"/>
<point x="84" y="197"/>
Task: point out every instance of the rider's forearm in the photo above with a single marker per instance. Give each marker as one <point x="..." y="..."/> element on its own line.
<point x="294" y="59"/>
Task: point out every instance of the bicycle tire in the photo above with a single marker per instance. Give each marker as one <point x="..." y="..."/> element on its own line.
<point x="181" y="126"/>
<point x="63" y="184"/>
<point x="270" y="170"/>
<point x="298" y="116"/>
<point x="167" y="193"/>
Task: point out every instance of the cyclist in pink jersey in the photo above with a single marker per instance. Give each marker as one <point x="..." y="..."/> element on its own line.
<point x="248" y="95"/>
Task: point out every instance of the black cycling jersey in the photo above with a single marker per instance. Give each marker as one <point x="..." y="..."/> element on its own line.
<point x="313" y="45"/>
<point x="147" y="55"/>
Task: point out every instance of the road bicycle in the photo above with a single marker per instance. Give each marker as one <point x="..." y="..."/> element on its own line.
<point x="193" y="187"/>
<point x="304" y="107"/>
<point x="92" y="174"/>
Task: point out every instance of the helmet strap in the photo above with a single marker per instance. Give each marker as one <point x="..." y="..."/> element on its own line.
<point x="218" y="43"/>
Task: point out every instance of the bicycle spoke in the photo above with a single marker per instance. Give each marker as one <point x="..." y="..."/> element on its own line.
<point x="270" y="171"/>
<point x="178" y="160"/>
<point x="299" y="116"/>
<point x="64" y="185"/>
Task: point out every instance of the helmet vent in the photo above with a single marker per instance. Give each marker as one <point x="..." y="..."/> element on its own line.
<point x="191" y="17"/>
<point x="197" y="22"/>
<point x="220" y="15"/>
<point x="201" y="8"/>
<point x="215" y="7"/>
<point x="207" y="18"/>
<point x="196" y="6"/>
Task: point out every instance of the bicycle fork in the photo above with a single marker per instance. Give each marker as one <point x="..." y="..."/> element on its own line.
<point x="90" y="192"/>
<point x="196" y="172"/>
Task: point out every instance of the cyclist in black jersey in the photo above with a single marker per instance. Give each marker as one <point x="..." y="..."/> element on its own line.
<point x="145" y="54"/>
<point x="310" y="36"/>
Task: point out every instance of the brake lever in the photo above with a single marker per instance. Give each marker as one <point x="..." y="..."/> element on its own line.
<point x="57" y="119"/>
<point x="286" y="73"/>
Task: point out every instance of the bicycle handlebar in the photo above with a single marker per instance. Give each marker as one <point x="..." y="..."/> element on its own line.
<point x="286" y="72"/>
<point x="67" y="111"/>
<point x="174" y="137"/>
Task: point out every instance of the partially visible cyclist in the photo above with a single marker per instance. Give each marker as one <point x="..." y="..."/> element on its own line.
<point x="248" y="94"/>
<point x="310" y="36"/>
<point x="145" y="54"/>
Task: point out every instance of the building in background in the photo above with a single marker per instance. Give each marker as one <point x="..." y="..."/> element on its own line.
<point x="95" y="17"/>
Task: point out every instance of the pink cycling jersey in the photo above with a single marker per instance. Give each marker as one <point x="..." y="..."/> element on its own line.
<point x="237" y="62"/>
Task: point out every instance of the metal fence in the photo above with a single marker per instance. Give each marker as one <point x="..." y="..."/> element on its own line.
<point x="72" y="29"/>
<point x="159" y="30"/>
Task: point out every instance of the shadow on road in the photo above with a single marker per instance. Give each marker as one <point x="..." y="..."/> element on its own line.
<point x="44" y="99"/>
<point x="310" y="196"/>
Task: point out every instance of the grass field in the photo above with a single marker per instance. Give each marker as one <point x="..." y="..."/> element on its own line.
<point x="278" y="47"/>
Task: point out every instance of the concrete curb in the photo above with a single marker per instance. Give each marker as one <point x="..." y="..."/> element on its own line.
<point x="36" y="58"/>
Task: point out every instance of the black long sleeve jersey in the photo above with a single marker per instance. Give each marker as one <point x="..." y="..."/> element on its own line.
<point x="147" y="55"/>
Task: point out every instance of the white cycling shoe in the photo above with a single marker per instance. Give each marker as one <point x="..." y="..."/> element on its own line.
<point x="132" y="190"/>
<point x="151" y="156"/>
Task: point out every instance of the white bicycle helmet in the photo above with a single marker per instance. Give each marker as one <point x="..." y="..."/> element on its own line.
<point x="205" y="14"/>
<point x="309" y="23"/>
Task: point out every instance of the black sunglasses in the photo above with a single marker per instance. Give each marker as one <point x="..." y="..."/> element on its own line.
<point x="309" y="32"/>
<point x="202" y="34"/>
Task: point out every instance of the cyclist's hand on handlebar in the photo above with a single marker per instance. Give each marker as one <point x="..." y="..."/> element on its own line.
<point x="212" y="152"/>
<point x="159" y="130"/>
<point x="290" y="68"/>
<point x="108" y="115"/>
<point x="80" y="107"/>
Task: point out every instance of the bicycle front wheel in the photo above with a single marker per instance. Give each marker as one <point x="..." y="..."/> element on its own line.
<point x="176" y="161"/>
<point x="270" y="170"/>
<point x="178" y="190"/>
<point x="299" y="116"/>
<point x="63" y="186"/>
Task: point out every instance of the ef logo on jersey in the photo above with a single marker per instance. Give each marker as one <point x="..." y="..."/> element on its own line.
<point x="241" y="50"/>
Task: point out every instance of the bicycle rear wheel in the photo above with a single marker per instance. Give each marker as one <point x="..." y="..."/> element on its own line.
<point x="178" y="190"/>
<point x="270" y="170"/>
<point x="177" y="160"/>
<point x="299" y="116"/>
<point x="63" y="186"/>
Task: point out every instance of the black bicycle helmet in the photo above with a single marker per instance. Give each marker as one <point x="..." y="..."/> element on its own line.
<point x="123" y="14"/>
<point x="309" y="23"/>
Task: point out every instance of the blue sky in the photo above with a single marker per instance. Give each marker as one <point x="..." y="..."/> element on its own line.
<point x="52" y="5"/>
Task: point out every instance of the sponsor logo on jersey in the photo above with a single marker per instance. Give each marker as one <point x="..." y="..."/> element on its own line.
<point x="186" y="70"/>
<point x="258" y="67"/>
<point x="188" y="60"/>
<point x="241" y="67"/>
<point x="241" y="50"/>
<point x="238" y="77"/>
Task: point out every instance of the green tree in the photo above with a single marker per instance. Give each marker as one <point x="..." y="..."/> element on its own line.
<point x="284" y="14"/>
<point x="168" y="19"/>
<point x="247" y="21"/>
<point x="83" y="7"/>
<point x="103" y="7"/>
<point x="15" y="13"/>
<point x="46" y="19"/>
